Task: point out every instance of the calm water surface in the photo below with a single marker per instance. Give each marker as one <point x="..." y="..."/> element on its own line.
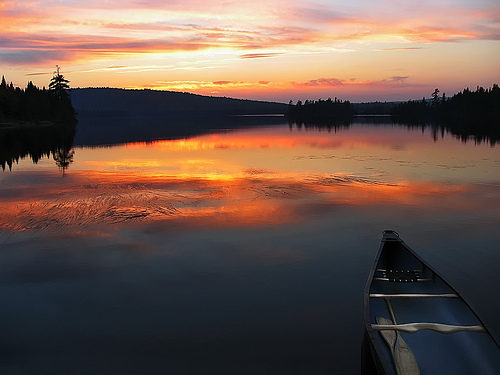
<point x="241" y="252"/>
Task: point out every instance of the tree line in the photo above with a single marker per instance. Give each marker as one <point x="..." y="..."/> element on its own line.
<point x="320" y="111"/>
<point x="33" y="104"/>
<point x="465" y="106"/>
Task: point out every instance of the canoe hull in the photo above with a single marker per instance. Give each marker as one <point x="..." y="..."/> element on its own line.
<point x="405" y="291"/>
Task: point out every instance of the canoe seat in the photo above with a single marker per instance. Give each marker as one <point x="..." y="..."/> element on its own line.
<point x="401" y="276"/>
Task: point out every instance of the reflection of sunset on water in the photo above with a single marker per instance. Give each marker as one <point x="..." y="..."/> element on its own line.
<point x="115" y="199"/>
<point x="268" y="138"/>
<point x="252" y="177"/>
<point x="376" y="152"/>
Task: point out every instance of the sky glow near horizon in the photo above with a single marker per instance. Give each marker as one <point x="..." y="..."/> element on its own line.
<point x="266" y="50"/>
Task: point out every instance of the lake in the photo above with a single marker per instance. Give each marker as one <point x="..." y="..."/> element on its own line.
<point x="241" y="251"/>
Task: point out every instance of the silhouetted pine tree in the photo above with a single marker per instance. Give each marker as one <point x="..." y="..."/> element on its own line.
<point x="62" y="109"/>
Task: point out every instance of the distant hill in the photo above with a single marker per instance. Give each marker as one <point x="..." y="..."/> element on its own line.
<point x="120" y="102"/>
<point x="115" y="116"/>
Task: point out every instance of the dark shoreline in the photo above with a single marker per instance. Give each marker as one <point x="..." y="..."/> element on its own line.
<point x="25" y="124"/>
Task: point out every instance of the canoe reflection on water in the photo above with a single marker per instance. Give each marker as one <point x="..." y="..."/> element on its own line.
<point x="416" y="323"/>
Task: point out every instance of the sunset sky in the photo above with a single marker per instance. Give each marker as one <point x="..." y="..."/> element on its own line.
<point x="267" y="50"/>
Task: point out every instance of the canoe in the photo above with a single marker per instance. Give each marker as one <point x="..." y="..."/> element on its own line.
<point x="416" y="323"/>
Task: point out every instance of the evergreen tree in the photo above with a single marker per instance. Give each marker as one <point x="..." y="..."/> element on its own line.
<point x="59" y="85"/>
<point x="3" y="97"/>
<point x="62" y="109"/>
<point x="435" y="98"/>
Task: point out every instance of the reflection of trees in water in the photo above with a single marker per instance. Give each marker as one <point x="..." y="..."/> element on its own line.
<point x="63" y="157"/>
<point x="328" y="123"/>
<point x="37" y="142"/>
<point x="478" y="131"/>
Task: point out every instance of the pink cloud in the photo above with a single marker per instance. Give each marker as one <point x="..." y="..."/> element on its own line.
<point x="222" y="83"/>
<point x="352" y="82"/>
<point x="401" y="49"/>
<point x="332" y="82"/>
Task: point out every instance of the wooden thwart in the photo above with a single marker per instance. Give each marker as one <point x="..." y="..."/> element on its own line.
<point x="415" y="327"/>
<point x="413" y="295"/>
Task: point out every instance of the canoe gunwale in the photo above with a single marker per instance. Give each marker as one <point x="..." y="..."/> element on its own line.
<point x="382" y="365"/>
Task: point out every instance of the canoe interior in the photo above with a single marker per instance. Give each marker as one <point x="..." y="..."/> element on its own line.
<point x="436" y="353"/>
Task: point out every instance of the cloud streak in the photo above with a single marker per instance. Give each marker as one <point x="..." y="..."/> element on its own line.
<point x="258" y="55"/>
<point x="353" y="82"/>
